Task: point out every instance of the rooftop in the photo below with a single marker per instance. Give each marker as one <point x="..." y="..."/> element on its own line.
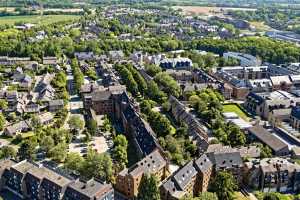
<point x="90" y="188"/>
<point x="151" y="163"/>
<point x="266" y="137"/>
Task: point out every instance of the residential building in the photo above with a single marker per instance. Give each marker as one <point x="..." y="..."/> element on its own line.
<point x="89" y="190"/>
<point x="116" y="55"/>
<point x="261" y="134"/>
<point x="84" y="56"/>
<point x="128" y="180"/>
<point x="101" y="99"/>
<point x="16" y="128"/>
<point x="180" y="75"/>
<point x="295" y="117"/>
<point x="46" y="118"/>
<point x="56" y="105"/>
<point x="29" y="180"/>
<point x="197" y="131"/>
<point x="225" y="158"/>
<point x="189" y="180"/>
<point x="245" y="59"/>
<point x="262" y="104"/>
<point x="176" y="63"/>
<point x="52" y="61"/>
<point x="273" y="175"/>
<point x="281" y="83"/>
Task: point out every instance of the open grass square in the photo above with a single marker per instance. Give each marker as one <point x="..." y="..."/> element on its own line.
<point x="236" y="109"/>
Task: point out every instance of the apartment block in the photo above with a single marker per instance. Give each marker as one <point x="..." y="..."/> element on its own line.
<point x="273" y="175"/>
<point x="189" y="180"/>
<point x="30" y="180"/>
<point x="128" y="180"/>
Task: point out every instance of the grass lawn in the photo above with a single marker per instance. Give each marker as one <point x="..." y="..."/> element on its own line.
<point x="36" y="19"/>
<point x="234" y="108"/>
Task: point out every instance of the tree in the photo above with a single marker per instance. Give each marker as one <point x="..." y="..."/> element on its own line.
<point x="152" y="70"/>
<point x="74" y="161"/>
<point x="8" y="152"/>
<point x="224" y="185"/>
<point x="97" y="165"/>
<point x="59" y="152"/>
<point x="3" y="104"/>
<point x="47" y="143"/>
<point x="27" y="149"/>
<point x="235" y="135"/>
<point x="76" y="123"/>
<point x="120" y="151"/>
<point x="155" y="93"/>
<point x="265" y="151"/>
<point x="92" y="127"/>
<point x="148" y="189"/>
<point x="159" y="123"/>
<point x="2" y="121"/>
<point x="168" y="84"/>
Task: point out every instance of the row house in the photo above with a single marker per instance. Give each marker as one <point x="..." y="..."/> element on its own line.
<point x="128" y="180"/>
<point x="189" y="180"/>
<point x="273" y="175"/>
<point x="197" y="131"/>
<point x="34" y="181"/>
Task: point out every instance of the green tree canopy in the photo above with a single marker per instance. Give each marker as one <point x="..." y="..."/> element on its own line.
<point x="224" y="185"/>
<point x="148" y="189"/>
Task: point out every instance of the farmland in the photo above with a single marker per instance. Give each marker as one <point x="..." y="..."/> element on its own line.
<point x="204" y="10"/>
<point x="36" y="19"/>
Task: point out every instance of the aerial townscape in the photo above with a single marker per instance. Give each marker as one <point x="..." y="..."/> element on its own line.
<point x="150" y="100"/>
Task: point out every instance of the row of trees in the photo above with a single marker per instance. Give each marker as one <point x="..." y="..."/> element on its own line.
<point x="78" y="75"/>
<point x="267" y="49"/>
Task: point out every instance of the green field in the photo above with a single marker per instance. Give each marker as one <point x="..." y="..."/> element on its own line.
<point x="236" y="109"/>
<point x="36" y="19"/>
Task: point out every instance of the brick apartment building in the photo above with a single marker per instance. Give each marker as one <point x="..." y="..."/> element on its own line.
<point x="128" y="180"/>
<point x="273" y="175"/>
<point x="34" y="181"/>
<point x="190" y="180"/>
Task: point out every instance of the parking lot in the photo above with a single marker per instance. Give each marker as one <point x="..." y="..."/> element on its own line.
<point x="101" y="144"/>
